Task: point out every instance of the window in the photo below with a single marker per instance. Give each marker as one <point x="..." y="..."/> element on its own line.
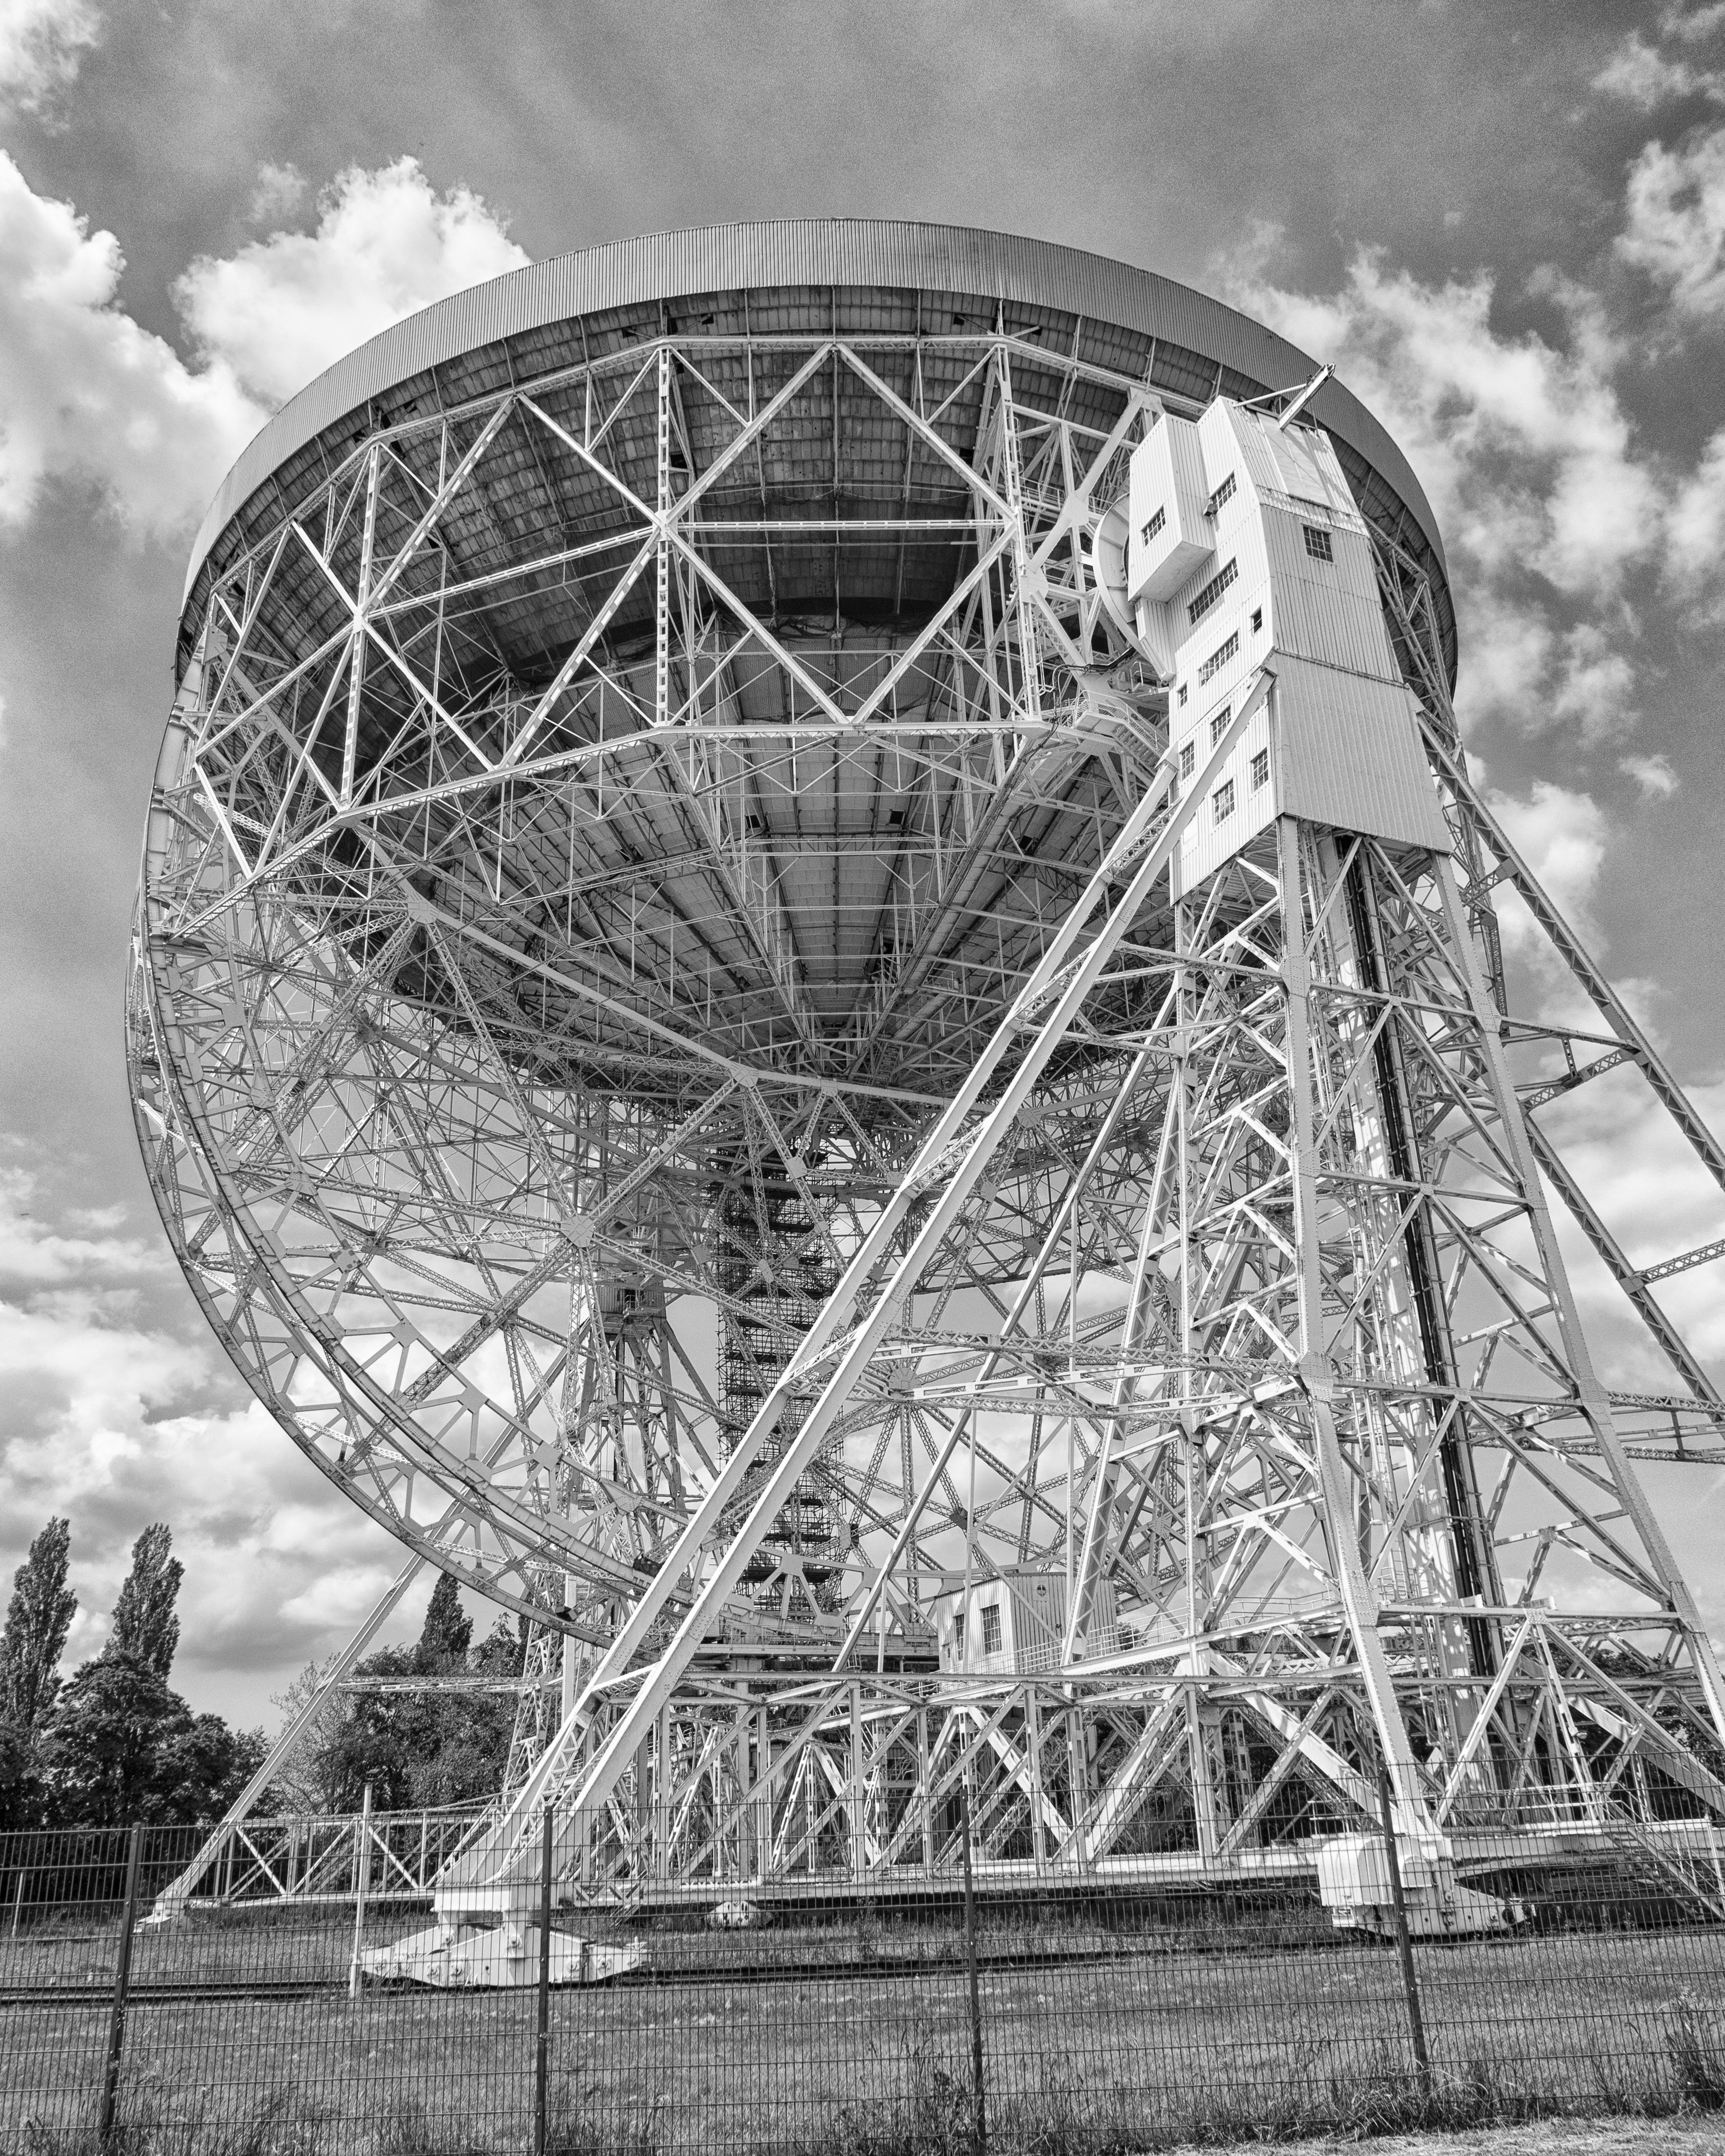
<point x="1225" y="492"/>
<point x="1188" y="758"/>
<point x="1257" y="619"/>
<point x="1211" y="593"/>
<point x="1182" y="692"/>
<point x="1155" y="525"/>
<point x="991" y="1628"/>
<point x="958" y="1636"/>
<point x="1317" y="543"/>
<point x="1219" y="724"/>
<point x="1260" y="769"/>
<point x="1217" y="660"/>
<point x="1222" y="802"/>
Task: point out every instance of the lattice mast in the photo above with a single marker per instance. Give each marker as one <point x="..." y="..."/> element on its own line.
<point x="1346" y="1281"/>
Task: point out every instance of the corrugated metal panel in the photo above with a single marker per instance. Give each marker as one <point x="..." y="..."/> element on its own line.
<point x="1348" y="755"/>
<point x="867" y="255"/>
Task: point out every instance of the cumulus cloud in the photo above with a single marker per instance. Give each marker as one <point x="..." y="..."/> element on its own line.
<point x="282" y="308"/>
<point x="1641" y="74"/>
<point x="84" y="1243"/>
<point x="1640" y="1173"/>
<point x="1674" y="225"/>
<point x="1596" y="685"/>
<point x="41" y="44"/>
<point x="1561" y="833"/>
<point x="1528" y="455"/>
<point x="1692" y="24"/>
<point x="87" y="396"/>
<point x="279" y="190"/>
<point x="1653" y="774"/>
<point x="114" y="1420"/>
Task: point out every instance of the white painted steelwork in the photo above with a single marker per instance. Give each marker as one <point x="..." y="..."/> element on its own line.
<point x="682" y="1045"/>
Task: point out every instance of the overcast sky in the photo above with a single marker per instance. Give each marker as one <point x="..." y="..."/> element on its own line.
<point x="1506" y="224"/>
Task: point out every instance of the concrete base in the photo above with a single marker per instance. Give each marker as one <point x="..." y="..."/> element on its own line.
<point x="501" y="1958"/>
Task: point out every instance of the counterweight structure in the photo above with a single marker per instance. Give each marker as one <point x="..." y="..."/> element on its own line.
<point x="816" y="995"/>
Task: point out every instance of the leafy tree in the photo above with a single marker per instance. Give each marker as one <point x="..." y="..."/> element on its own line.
<point x="447" y="1633"/>
<point x="146" y="1629"/>
<point x="419" y="1747"/>
<point x="20" y="1785"/>
<point x="299" y="1785"/>
<point x="123" y="1746"/>
<point x="36" y="1622"/>
<point x="202" y="1766"/>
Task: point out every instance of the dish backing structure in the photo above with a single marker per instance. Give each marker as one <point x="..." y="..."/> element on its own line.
<point x="816" y="996"/>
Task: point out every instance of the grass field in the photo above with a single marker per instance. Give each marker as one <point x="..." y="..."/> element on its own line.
<point x="853" y="2036"/>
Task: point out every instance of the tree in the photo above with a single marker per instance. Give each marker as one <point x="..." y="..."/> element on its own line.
<point x="423" y="1747"/>
<point x="299" y="1784"/>
<point x="20" y="1785"/>
<point x="448" y="1631"/>
<point x="36" y="1622"/>
<point x="99" y="1749"/>
<point x="146" y="1629"/>
<point x="122" y="1746"/>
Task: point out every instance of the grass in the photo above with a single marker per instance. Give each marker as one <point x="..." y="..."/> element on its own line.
<point x="1153" y="2036"/>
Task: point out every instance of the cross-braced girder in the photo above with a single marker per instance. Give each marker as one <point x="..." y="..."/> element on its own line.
<point x="668" y="1053"/>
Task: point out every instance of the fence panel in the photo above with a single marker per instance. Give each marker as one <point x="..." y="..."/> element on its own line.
<point x="300" y="1998"/>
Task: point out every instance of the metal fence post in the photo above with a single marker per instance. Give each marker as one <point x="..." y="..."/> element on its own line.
<point x="17" y="1896"/>
<point x="122" y="1984"/>
<point x="541" y="2063"/>
<point x="361" y="1879"/>
<point x="1416" y="2020"/>
<point x="979" y="2115"/>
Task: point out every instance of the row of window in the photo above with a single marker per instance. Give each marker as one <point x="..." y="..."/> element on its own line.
<point x="1199" y="607"/>
<point x="1222" y="800"/>
<point x="1317" y="545"/>
<point x="1188" y="757"/>
<point x="1218" y="660"/>
<point x="991" y="1641"/>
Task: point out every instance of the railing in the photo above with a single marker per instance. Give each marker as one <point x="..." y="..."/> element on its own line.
<point x="313" y="1858"/>
<point x="1591" y="1981"/>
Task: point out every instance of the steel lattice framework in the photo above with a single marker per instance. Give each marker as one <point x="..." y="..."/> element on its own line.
<point x="666" y="1049"/>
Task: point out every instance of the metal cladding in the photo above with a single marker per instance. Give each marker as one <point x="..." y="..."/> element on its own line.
<point x="815" y="995"/>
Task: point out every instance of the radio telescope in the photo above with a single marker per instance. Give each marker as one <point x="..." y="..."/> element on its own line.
<point x="816" y="996"/>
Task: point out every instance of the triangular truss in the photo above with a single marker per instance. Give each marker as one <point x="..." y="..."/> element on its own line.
<point x="698" y="1110"/>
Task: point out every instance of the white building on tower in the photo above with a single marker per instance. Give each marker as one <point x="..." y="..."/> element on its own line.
<point x="1245" y="551"/>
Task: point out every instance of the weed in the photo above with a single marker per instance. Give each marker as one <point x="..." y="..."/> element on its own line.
<point x="1697" y="2058"/>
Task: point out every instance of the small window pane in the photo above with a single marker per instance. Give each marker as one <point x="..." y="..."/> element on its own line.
<point x="1317" y="543"/>
<point x="991" y="1628"/>
<point x="1260" y="769"/>
<point x="1217" y="660"/>
<point x="1222" y="800"/>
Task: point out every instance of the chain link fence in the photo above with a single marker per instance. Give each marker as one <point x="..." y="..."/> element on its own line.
<point x="303" y="1999"/>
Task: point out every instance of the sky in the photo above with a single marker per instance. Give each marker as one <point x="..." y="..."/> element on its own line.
<point x="1504" y="223"/>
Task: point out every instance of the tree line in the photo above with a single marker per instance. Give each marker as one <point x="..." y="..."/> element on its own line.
<point x="114" y="1742"/>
